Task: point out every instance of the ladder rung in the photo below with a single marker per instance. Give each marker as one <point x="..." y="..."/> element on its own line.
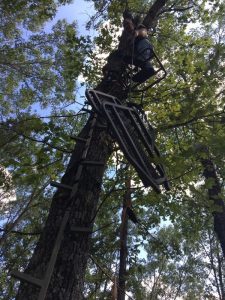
<point x="160" y="180"/>
<point x="92" y="163"/>
<point x="61" y="185"/>
<point x="27" y="278"/>
<point x="87" y="110"/>
<point x="80" y="229"/>
<point x="101" y="126"/>
<point x="79" y="139"/>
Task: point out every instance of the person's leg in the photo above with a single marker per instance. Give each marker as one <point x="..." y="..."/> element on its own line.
<point x="146" y="72"/>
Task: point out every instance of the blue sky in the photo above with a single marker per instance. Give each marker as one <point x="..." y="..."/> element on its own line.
<point x="79" y="11"/>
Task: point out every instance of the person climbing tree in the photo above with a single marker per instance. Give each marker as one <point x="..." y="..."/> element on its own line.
<point x="137" y="51"/>
<point x="115" y="61"/>
<point x="66" y="279"/>
<point x="142" y="53"/>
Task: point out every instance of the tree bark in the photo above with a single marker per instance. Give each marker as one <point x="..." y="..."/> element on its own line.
<point x="123" y="243"/>
<point x="221" y="275"/>
<point x="214" y="193"/>
<point x="153" y="12"/>
<point x="68" y="275"/>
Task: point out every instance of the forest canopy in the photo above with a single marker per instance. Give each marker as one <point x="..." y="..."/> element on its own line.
<point x="177" y="248"/>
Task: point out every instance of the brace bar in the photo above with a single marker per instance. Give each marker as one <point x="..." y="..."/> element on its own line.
<point x="80" y="229"/>
<point x="60" y="185"/>
<point x="92" y="163"/>
<point x="79" y="139"/>
<point x="27" y="278"/>
<point x="87" y="110"/>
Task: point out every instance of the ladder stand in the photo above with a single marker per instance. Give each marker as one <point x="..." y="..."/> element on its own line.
<point x="136" y="142"/>
<point x="134" y="136"/>
<point x="44" y="283"/>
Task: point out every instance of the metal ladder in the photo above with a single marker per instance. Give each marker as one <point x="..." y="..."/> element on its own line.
<point x="44" y="283"/>
<point x="109" y="107"/>
<point x="133" y="136"/>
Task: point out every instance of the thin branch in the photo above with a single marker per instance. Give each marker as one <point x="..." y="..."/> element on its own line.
<point x="49" y="117"/>
<point x="174" y="9"/>
<point x="20" y="232"/>
<point x="183" y="174"/>
<point x="21" y="214"/>
<point x="190" y="121"/>
<point x="104" y="226"/>
<point x="109" y="276"/>
<point x="36" y="140"/>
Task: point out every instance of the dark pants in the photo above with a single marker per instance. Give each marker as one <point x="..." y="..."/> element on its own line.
<point x="146" y="71"/>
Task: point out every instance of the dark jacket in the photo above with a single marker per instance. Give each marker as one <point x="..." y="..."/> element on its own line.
<point x="143" y="50"/>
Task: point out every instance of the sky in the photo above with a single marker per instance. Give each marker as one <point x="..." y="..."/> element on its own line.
<point x="79" y="11"/>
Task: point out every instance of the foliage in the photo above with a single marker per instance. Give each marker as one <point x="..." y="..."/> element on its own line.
<point x="38" y="115"/>
<point x="39" y="73"/>
<point x="29" y="15"/>
<point x="186" y="109"/>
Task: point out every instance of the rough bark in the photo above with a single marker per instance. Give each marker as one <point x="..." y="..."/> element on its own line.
<point x="214" y="193"/>
<point x="220" y="275"/>
<point x="68" y="276"/>
<point x="123" y="244"/>
<point x="153" y="13"/>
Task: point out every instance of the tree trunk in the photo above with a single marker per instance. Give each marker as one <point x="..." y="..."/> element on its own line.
<point x="68" y="275"/>
<point x="214" y="193"/>
<point x="221" y="275"/>
<point x="123" y="243"/>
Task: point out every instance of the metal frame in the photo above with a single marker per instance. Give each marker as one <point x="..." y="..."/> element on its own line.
<point x="95" y="99"/>
<point x="121" y="118"/>
<point x="117" y="115"/>
<point x="44" y="283"/>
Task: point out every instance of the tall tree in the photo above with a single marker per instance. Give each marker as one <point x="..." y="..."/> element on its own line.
<point x="33" y="148"/>
<point x="68" y="276"/>
<point x="185" y="109"/>
<point x="123" y="242"/>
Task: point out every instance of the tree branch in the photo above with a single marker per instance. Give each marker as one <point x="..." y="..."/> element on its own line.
<point x="153" y="12"/>
<point x="36" y="140"/>
<point x="20" y="232"/>
<point x="175" y="9"/>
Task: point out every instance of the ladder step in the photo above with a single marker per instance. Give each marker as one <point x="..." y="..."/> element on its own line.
<point x="101" y="126"/>
<point x="160" y="180"/>
<point x="80" y="229"/>
<point x="27" y="278"/>
<point x="79" y="139"/>
<point x="61" y="185"/>
<point x="92" y="163"/>
<point x="87" y="110"/>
